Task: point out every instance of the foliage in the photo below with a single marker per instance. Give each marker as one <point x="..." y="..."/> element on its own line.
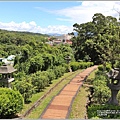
<point x="103" y="111"/>
<point x="74" y="66"/>
<point x="107" y="67"/>
<point x="97" y="41"/>
<point x="36" y="64"/>
<point x="11" y="102"/>
<point x="80" y="65"/>
<point x="50" y="74"/>
<point x="37" y="83"/>
<point x="101" y="91"/>
<point x="24" y="87"/>
<point x="59" y="71"/>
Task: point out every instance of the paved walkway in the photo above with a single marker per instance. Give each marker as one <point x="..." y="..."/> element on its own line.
<point x="60" y="105"/>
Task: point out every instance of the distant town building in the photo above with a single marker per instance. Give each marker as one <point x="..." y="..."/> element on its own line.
<point x="66" y="39"/>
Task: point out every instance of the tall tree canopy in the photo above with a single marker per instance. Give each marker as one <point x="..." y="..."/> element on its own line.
<point x="98" y="40"/>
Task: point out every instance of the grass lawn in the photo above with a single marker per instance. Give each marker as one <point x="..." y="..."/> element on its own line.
<point x="78" y="109"/>
<point x="37" y="111"/>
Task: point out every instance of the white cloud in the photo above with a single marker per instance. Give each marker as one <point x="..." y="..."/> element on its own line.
<point x="76" y="14"/>
<point x="63" y="19"/>
<point x="33" y="27"/>
<point x="85" y="11"/>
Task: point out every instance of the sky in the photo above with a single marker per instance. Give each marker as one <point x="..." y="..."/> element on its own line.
<point x="51" y="16"/>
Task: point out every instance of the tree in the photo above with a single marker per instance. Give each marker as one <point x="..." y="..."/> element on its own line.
<point x="36" y="64"/>
<point x="98" y="40"/>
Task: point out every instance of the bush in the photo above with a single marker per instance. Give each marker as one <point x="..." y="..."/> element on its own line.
<point x="59" y="71"/>
<point x="48" y="77"/>
<point x="37" y="82"/>
<point x="11" y="102"/>
<point x="66" y="66"/>
<point x="83" y="65"/>
<point x="108" y="67"/>
<point x="101" y="91"/>
<point x="51" y="75"/>
<point x="24" y="87"/>
<point x="95" y="110"/>
<point x="74" y="66"/>
<point x="40" y="80"/>
<point x="80" y="65"/>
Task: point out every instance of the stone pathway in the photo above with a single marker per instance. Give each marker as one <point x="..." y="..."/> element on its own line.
<point x="59" y="107"/>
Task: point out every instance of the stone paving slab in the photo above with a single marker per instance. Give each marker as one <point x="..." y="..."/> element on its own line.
<point x="71" y="87"/>
<point x="62" y="100"/>
<point x="58" y="107"/>
<point x="54" y="114"/>
<point x="67" y="92"/>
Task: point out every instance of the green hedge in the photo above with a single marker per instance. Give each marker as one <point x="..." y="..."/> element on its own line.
<point x="59" y="71"/>
<point x="101" y="67"/>
<point x="101" y="91"/>
<point x="24" y="87"/>
<point x="36" y="82"/>
<point x="103" y="111"/>
<point x="41" y="79"/>
<point x="11" y="102"/>
<point x="80" y="65"/>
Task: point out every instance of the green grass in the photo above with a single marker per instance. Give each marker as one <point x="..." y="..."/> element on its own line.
<point x="37" y="111"/>
<point x="78" y="109"/>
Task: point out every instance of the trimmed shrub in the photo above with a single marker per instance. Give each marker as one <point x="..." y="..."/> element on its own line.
<point x="11" y="102"/>
<point x="101" y="67"/>
<point x="66" y="66"/>
<point x="80" y="65"/>
<point x="51" y="75"/>
<point x="103" y="111"/>
<point x="101" y="91"/>
<point x="47" y="77"/>
<point x="74" y="66"/>
<point x="25" y="88"/>
<point x="59" y="71"/>
<point x="84" y="65"/>
<point x="37" y="83"/>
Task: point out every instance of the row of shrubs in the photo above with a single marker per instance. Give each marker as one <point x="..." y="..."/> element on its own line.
<point x="36" y="82"/>
<point x="11" y="101"/>
<point x="42" y="79"/>
<point x="80" y="65"/>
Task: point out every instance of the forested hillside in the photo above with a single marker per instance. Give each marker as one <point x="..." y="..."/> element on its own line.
<point x="11" y="41"/>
